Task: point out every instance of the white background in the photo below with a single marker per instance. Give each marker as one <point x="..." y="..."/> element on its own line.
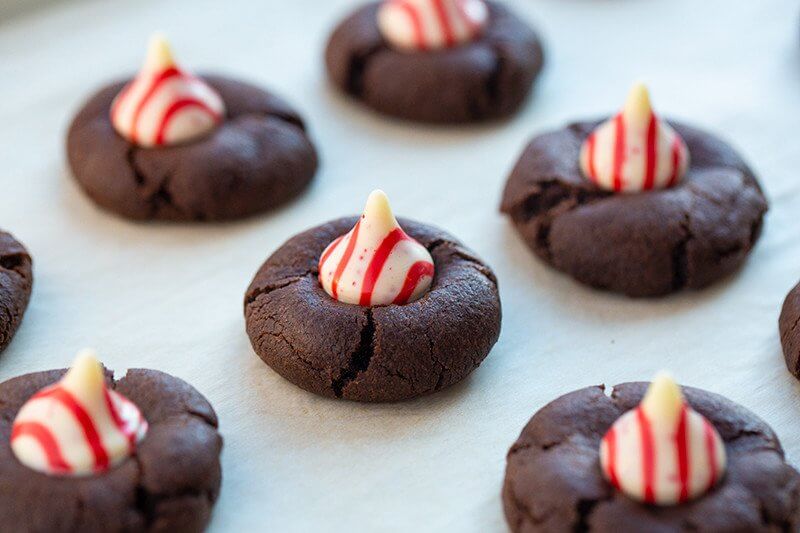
<point x="170" y="296"/>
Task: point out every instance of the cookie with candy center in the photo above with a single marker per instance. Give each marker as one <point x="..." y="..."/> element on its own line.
<point x="83" y="451"/>
<point x="376" y="263"/>
<point x="172" y="145"/>
<point x="436" y="61"/>
<point x="636" y="204"/>
<point x="560" y="476"/>
<point x="373" y="309"/>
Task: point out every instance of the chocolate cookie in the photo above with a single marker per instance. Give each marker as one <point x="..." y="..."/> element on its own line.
<point x="380" y="353"/>
<point x="170" y="484"/>
<point x="486" y="79"/>
<point x="257" y="159"/>
<point x="646" y="244"/>
<point x="554" y="482"/>
<point x="790" y="333"/>
<point x="16" y="281"/>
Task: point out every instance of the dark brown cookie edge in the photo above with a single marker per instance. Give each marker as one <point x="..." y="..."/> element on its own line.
<point x="16" y="284"/>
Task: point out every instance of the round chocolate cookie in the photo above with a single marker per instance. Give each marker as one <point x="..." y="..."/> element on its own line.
<point x="259" y="158"/>
<point x="790" y="332"/>
<point x="170" y="484"/>
<point x="486" y="79"/>
<point x="16" y="282"/>
<point x="379" y="353"/>
<point x="554" y="482"/>
<point x="644" y="244"/>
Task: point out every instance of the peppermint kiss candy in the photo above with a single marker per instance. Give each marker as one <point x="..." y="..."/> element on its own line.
<point x="164" y="105"/>
<point x="376" y="263"/>
<point x="635" y="150"/>
<point x="663" y="452"/>
<point x="413" y="25"/>
<point x="77" y="427"/>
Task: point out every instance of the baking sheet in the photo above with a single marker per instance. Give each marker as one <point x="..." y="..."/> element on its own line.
<point x="170" y="296"/>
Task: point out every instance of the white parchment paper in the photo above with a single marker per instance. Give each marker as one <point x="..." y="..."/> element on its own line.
<point x="170" y="296"/>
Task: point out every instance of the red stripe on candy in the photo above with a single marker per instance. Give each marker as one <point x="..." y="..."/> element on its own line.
<point x="418" y="270"/>
<point x="376" y="264"/>
<point x="85" y="421"/>
<point x="416" y="23"/>
<point x="157" y="82"/>
<point x="652" y="154"/>
<point x="711" y="451"/>
<point x="444" y="22"/>
<point x="611" y="447"/>
<point x="619" y="150"/>
<point x="46" y="441"/>
<point x="174" y="108"/>
<point x="348" y="253"/>
<point x="676" y="161"/>
<point x="682" y="448"/>
<point x="648" y="456"/>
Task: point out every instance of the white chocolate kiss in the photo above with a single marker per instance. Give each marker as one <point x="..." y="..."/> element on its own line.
<point x="663" y="452"/>
<point x="77" y="427"/>
<point x="414" y="25"/>
<point x="164" y="105"/>
<point x="376" y="263"/>
<point x="635" y="150"/>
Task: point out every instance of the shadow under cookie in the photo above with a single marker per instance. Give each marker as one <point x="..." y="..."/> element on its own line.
<point x="257" y="159"/>
<point x="379" y="353"/>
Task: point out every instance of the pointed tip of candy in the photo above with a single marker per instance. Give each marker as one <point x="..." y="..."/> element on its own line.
<point x="159" y="52"/>
<point x="86" y="372"/>
<point x="664" y="398"/>
<point x="378" y="209"/>
<point x="638" y="102"/>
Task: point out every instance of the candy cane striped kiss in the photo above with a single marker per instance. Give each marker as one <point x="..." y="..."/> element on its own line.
<point x="77" y="427"/>
<point x="165" y="105"/>
<point x="635" y="150"/>
<point x="663" y="452"/>
<point x="417" y="25"/>
<point x="376" y="263"/>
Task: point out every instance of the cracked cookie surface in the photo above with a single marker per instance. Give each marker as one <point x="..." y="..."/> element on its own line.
<point x="16" y="282"/>
<point x="483" y="80"/>
<point x="258" y="158"/>
<point x="170" y="484"/>
<point x="554" y="483"/>
<point x="379" y="353"/>
<point x="789" y="327"/>
<point x="643" y="245"/>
